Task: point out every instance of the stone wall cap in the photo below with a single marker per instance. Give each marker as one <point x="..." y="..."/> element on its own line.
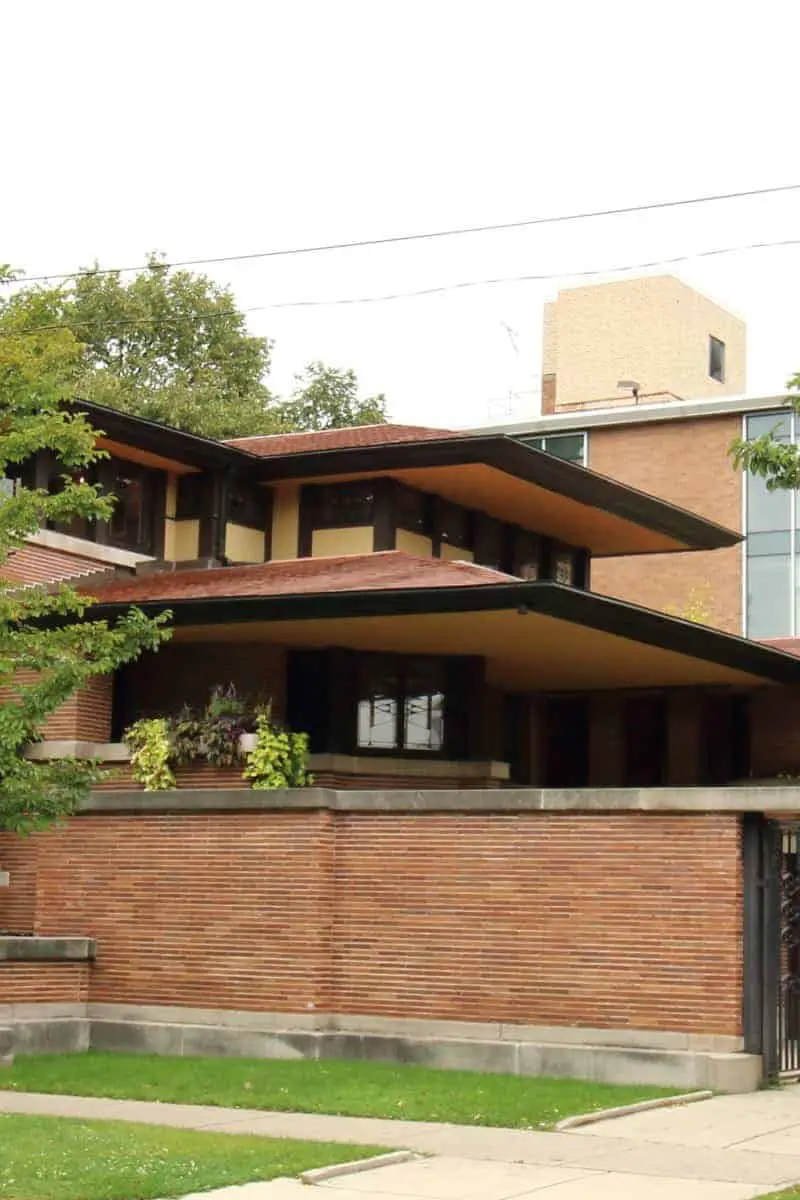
<point x="781" y="800"/>
<point x="46" y="949"/>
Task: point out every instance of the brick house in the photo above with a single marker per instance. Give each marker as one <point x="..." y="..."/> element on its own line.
<point x="514" y="773"/>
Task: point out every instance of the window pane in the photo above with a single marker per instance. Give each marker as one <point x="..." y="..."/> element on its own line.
<point x="766" y="511"/>
<point x="776" y="423"/>
<point x="569" y="446"/>
<point x="424" y="721"/>
<point x="716" y="359"/>
<point x="126" y="520"/>
<point x="759" y="544"/>
<point x="378" y="706"/>
<point x="769" y="596"/>
<point x="423" y="706"/>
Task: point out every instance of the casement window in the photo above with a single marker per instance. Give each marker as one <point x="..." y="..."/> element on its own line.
<point x="401" y="705"/>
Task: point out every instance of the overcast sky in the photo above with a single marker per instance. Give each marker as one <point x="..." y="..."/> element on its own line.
<point x="207" y="129"/>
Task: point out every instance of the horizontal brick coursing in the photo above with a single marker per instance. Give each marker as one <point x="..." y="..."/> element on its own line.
<point x="686" y="463"/>
<point x="44" y="983"/>
<point x="613" y="921"/>
<point x="19" y="856"/>
<point x="86" y="716"/>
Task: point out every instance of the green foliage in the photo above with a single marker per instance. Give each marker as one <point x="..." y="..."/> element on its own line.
<point x="214" y="736"/>
<point x="173" y="346"/>
<point x="279" y="759"/>
<point x="58" y="1158"/>
<point x="47" y="650"/>
<point x="698" y="606"/>
<point x="355" y="1089"/>
<point x="149" y="744"/>
<point x="186" y="736"/>
<point x="774" y="461"/>
<point x="327" y="398"/>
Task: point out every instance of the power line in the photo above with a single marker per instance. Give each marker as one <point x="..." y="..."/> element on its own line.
<point x="475" y="283"/>
<point x="396" y="239"/>
<point x="431" y="291"/>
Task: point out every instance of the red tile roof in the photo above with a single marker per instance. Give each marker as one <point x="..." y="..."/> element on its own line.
<point x="357" y="572"/>
<point x="338" y="439"/>
<point x="40" y="564"/>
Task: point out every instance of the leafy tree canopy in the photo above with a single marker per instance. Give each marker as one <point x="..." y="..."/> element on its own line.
<point x="173" y="346"/>
<point x="43" y="662"/>
<point x="776" y="461"/>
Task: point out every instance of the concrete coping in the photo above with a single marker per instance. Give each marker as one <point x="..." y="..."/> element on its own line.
<point x="777" y="800"/>
<point x="68" y="544"/>
<point x="106" y="752"/>
<point x="339" y="764"/>
<point x="46" y="949"/>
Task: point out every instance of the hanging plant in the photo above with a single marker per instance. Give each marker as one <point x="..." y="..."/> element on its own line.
<point x="280" y="757"/>
<point x="149" y="743"/>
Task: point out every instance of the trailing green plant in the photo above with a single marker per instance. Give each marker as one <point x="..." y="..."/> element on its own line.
<point x="280" y="757"/>
<point x="150" y="748"/>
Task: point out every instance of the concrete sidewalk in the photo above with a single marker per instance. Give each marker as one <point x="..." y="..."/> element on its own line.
<point x="728" y="1148"/>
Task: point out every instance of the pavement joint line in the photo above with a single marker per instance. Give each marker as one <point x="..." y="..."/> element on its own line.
<point x="754" y="1137"/>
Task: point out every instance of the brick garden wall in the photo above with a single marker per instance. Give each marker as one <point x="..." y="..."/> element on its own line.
<point x="601" y="920"/>
<point x="44" y="983"/>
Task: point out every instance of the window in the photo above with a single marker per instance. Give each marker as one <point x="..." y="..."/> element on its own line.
<point x="772" y="553"/>
<point x="248" y="504"/>
<point x="339" y="505"/>
<point x="401" y="705"/>
<point x="716" y="359"/>
<point x="457" y="526"/>
<point x="414" y="510"/>
<point x="564" y="567"/>
<point x="569" y="446"/>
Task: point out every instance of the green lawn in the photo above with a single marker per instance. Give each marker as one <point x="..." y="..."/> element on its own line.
<point x="53" y="1158"/>
<point x="355" y="1089"/>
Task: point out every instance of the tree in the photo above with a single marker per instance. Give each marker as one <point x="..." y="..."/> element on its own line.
<point x="171" y="346"/>
<point x="776" y="461"/>
<point x="327" y="398"/>
<point x="174" y="347"/>
<point x="47" y="649"/>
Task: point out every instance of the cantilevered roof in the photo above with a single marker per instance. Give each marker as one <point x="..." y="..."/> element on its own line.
<point x="494" y="474"/>
<point x="535" y="636"/>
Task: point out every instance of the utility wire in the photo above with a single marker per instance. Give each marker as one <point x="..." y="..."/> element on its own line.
<point x="396" y="239"/>
<point x="431" y="291"/>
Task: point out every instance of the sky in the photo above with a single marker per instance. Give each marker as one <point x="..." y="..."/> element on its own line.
<point x="207" y="130"/>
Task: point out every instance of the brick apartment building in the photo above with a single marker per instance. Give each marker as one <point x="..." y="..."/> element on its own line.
<point x="668" y="431"/>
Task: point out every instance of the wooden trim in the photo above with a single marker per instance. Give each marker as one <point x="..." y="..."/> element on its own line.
<point x="385" y="519"/>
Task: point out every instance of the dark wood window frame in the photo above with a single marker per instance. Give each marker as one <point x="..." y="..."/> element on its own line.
<point x="402" y="668"/>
